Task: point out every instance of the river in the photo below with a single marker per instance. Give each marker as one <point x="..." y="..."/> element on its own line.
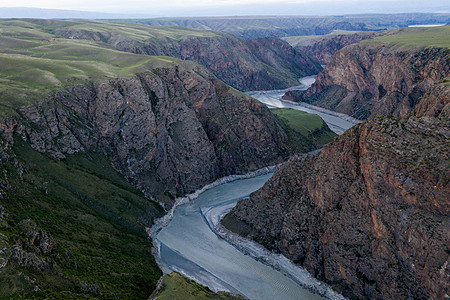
<point x="336" y="121"/>
<point x="188" y="245"/>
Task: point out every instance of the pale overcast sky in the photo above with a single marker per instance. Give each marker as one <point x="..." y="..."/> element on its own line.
<point x="236" y="7"/>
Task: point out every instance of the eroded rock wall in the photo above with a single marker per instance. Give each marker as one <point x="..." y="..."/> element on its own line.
<point x="372" y="78"/>
<point x="369" y="214"/>
<point x="169" y="131"/>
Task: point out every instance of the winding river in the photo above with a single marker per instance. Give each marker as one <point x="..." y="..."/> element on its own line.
<point x="336" y="121"/>
<point x="189" y="245"/>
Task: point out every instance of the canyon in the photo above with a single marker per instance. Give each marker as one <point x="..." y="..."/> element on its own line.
<point x="258" y="64"/>
<point x="380" y="76"/>
<point x="369" y="214"/>
<point x="106" y="125"/>
<point x="374" y="222"/>
<point x="97" y="143"/>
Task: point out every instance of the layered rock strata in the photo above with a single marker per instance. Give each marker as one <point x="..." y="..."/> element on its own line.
<point x="369" y="215"/>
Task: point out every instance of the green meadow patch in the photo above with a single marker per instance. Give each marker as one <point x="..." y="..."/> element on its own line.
<point x="302" y="124"/>
<point x="177" y="287"/>
<point x="416" y="37"/>
<point x="34" y="62"/>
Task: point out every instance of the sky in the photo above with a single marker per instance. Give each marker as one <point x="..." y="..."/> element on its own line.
<point x="236" y="7"/>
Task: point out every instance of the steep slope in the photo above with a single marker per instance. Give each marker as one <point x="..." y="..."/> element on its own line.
<point x="323" y="48"/>
<point x="256" y="65"/>
<point x="153" y="117"/>
<point x="388" y="74"/>
<point x="369" y="214"/>
<point x="169" y="131"/>
<point x="71" y="228"/>
<point x="89" y="136"/>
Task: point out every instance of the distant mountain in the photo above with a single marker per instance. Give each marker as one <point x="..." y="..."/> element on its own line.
<point x="251" y="27"/>
<point x="41" y="13"/>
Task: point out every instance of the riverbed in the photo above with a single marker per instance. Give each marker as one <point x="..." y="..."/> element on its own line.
<point x="189" y="243"/>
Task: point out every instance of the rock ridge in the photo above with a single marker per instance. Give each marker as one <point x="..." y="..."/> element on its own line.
<point x="369" y="215"/>
<point x="169" y="131"/>
<point x="372" y="78"/>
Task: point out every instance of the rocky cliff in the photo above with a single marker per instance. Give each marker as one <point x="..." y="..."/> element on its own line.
<point x="88" y="136"/>
<point x="369" y="214"/>
<point x="390" y="75"/>
<point x="261" y="64"/>
<point x="323" y="48"/>
<point x="169" y="131"/>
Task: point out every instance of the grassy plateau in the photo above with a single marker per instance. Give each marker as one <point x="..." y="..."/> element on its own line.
<point x="34" y="62"/>
<point x="416" y="37"/>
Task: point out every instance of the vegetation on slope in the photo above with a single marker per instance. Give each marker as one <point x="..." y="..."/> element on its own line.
<point x="302" y="124"/>
<point x="307" y="40"/>
<point x="92" y="218"/>
<point x="47" y="28"/>
<point x="177" y="287"/>
<point x="246" y="66"/>
<point x="275" y="26"/>
<point x="34" y="63"/>
<point x="96" y="218"/>
<point x="416" y="37"/>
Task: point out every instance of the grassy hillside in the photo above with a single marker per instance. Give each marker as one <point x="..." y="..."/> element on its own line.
<point x="47" y="28"/>
<point x="306" y="40"/>
<point x="34" y="63"/>
<point x="416" y="37"/>
<point x="96" y="218"/>
<point x="177" y="287"/>
<point x="281" y="26"/>
<point x="302" y="124"/>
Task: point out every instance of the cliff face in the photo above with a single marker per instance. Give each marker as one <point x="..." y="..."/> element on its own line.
<point x="169" y="131"/>
<point x="324" y="48"/>
<point x="373" y="78"/>
<point x="369" y="214"/>
<point x="262" y="64"/>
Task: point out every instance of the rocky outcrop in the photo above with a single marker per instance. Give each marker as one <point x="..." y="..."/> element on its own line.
<point x="262" y="64"/>
<point x="369" y="215"/>
<point x="279" y="54"/>
<point x="373" y="78"/>
<point x="169" y="131"/>
<point x="294" y="95"/>
<point x="324" y="48"/>
<point x="435" y="102"/>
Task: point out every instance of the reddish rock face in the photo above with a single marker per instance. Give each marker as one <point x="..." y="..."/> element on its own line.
<point x="323" y="49"/>
<point x="169" y="131"/>
<point x="371" y="78"/>
<point x="369" y="214"/>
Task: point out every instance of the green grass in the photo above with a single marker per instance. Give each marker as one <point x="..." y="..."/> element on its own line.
<point x="301" y="121"/>
<point x="38" y="28"/>
<point x="177" y="287"/>
<point x="416" y="37"/>
<point x="34" y="63"/>
<point x="306" y="124"/>
<point x="305" y="40"/>
<point x="93" y="214"/>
